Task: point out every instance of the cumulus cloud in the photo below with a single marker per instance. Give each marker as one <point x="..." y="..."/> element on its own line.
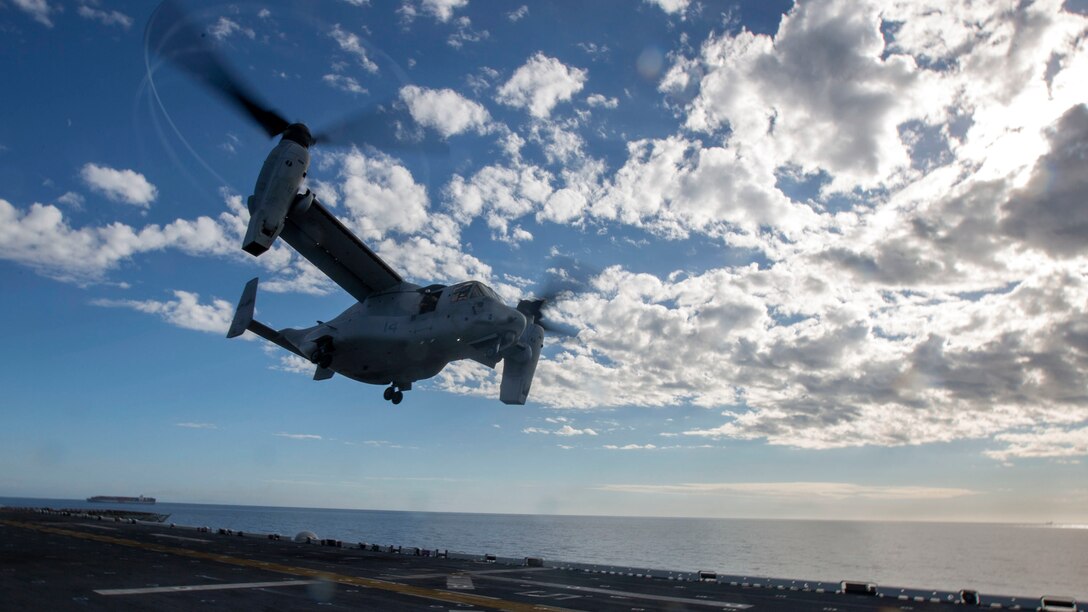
<point x="540" y="84"/>
<point x="1049" y="212"/>
<point x="445" y="110"/>
<point x="820" y="93"/>
<point x="380" y="195"/>
<point x="675" y="185"/>
<point x="443" y="9"/>
<point x="671" y="7"/>
<point x="41" y="238"/>
<point x="127" y="186"/>
<point x="1049" y="442"/>
<point x="499" y="194"/>
<point x="184" y="311"/>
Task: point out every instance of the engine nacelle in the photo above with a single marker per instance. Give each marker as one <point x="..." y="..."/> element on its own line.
<point x="519" y="366"/>
<point x="276" y="194"/>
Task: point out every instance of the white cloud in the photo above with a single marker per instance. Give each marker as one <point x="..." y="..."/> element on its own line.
<point x="351" y="43"/>
<point x="38" y="9"/>
<point x="540" y="84"/>
<point x="671" y="7"/>
<point x="501" y="194"/>
<point x="71" y="198"/>
<point x="380" y="195"/>
<point x="518" y="14"/>
<point x="344" y="83"/>
<point x="601" y="101"/>
<point x="445" y="110"/>
<point x="1048" y="442"/>
<point x="224" y="28"/>
<point x="565" y="431"/>
<point x="442" y="10"/>
<point x="126" y="186"/>
<point x="293" y="364"/>
<point x="819" y="94"/>
<point x="42" y="239"/>
<point x="673" y="186"/>
<point x="192" y="425"/>
<point x="465" y="33"/>
<point x="804" y="490"/>
<point x="184" y="311"/>
<point x="295" y="436"/>
<point x="105" y="17"/>
<point x="630" y="447"/>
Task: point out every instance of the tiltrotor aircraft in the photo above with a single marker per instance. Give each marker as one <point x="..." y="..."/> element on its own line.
<point x="398" y="332"/>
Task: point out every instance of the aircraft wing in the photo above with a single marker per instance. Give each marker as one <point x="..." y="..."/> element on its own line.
<point x="320" y="237"/>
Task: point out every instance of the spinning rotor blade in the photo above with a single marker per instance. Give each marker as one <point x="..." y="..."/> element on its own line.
<point x="566" y="278"/>
<point x="176" y="39"/>
<point x="387" y="126"/>
<point x="565" y="275"/>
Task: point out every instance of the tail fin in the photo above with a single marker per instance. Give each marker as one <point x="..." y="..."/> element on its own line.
<point x="243" y="316"/>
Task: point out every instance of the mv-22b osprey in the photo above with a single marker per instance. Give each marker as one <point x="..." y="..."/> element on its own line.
<point x="398" y="332"/>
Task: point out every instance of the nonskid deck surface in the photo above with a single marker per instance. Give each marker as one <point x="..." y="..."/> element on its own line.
<point x="58" y="561"/>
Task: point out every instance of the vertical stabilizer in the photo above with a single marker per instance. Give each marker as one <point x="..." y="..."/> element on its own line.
<point x="243" y="316"/>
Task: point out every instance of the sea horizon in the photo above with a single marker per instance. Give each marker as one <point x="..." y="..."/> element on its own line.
<point x="1007" y="559"/>
<point x="1055" y="524"/>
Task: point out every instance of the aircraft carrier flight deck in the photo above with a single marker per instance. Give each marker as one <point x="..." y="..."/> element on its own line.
<point x="61" y="560"/>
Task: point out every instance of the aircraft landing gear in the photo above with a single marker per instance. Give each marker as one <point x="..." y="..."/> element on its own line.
<point x="395" y="393"/>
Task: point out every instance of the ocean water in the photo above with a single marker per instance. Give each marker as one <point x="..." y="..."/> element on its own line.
<point x="1000" y="559"/>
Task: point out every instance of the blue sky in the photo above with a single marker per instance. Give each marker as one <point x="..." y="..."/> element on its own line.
<point x="839" y="248"/>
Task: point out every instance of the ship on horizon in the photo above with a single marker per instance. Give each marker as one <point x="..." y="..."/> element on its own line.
<point x="119" y="499"/>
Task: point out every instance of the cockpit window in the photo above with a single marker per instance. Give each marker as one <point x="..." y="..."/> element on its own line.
<point x="472" y="290"/>
<point x="465" y="292"/>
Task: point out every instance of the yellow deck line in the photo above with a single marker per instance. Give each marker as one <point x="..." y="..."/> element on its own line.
<point x="369" y="583"/>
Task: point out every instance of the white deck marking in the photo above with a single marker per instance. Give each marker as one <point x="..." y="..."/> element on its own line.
<point x="205" y="587"/>
<point x="583" y="589"/>
<point x="174" y="537"/>
<point x="461" y="582"/>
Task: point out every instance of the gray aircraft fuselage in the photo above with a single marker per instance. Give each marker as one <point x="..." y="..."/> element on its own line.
<point x="395" y="337"/>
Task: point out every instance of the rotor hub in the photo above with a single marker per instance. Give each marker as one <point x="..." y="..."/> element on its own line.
<point x="298" y="133"/>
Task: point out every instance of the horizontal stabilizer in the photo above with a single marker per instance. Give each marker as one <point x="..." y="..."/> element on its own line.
<point x="243" y="316"/>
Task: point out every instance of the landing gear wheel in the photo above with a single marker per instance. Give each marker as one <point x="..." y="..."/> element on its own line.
<point x="325" y="361"/>
<point x="398" y="397"/>
<point x="388" y="395"/>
